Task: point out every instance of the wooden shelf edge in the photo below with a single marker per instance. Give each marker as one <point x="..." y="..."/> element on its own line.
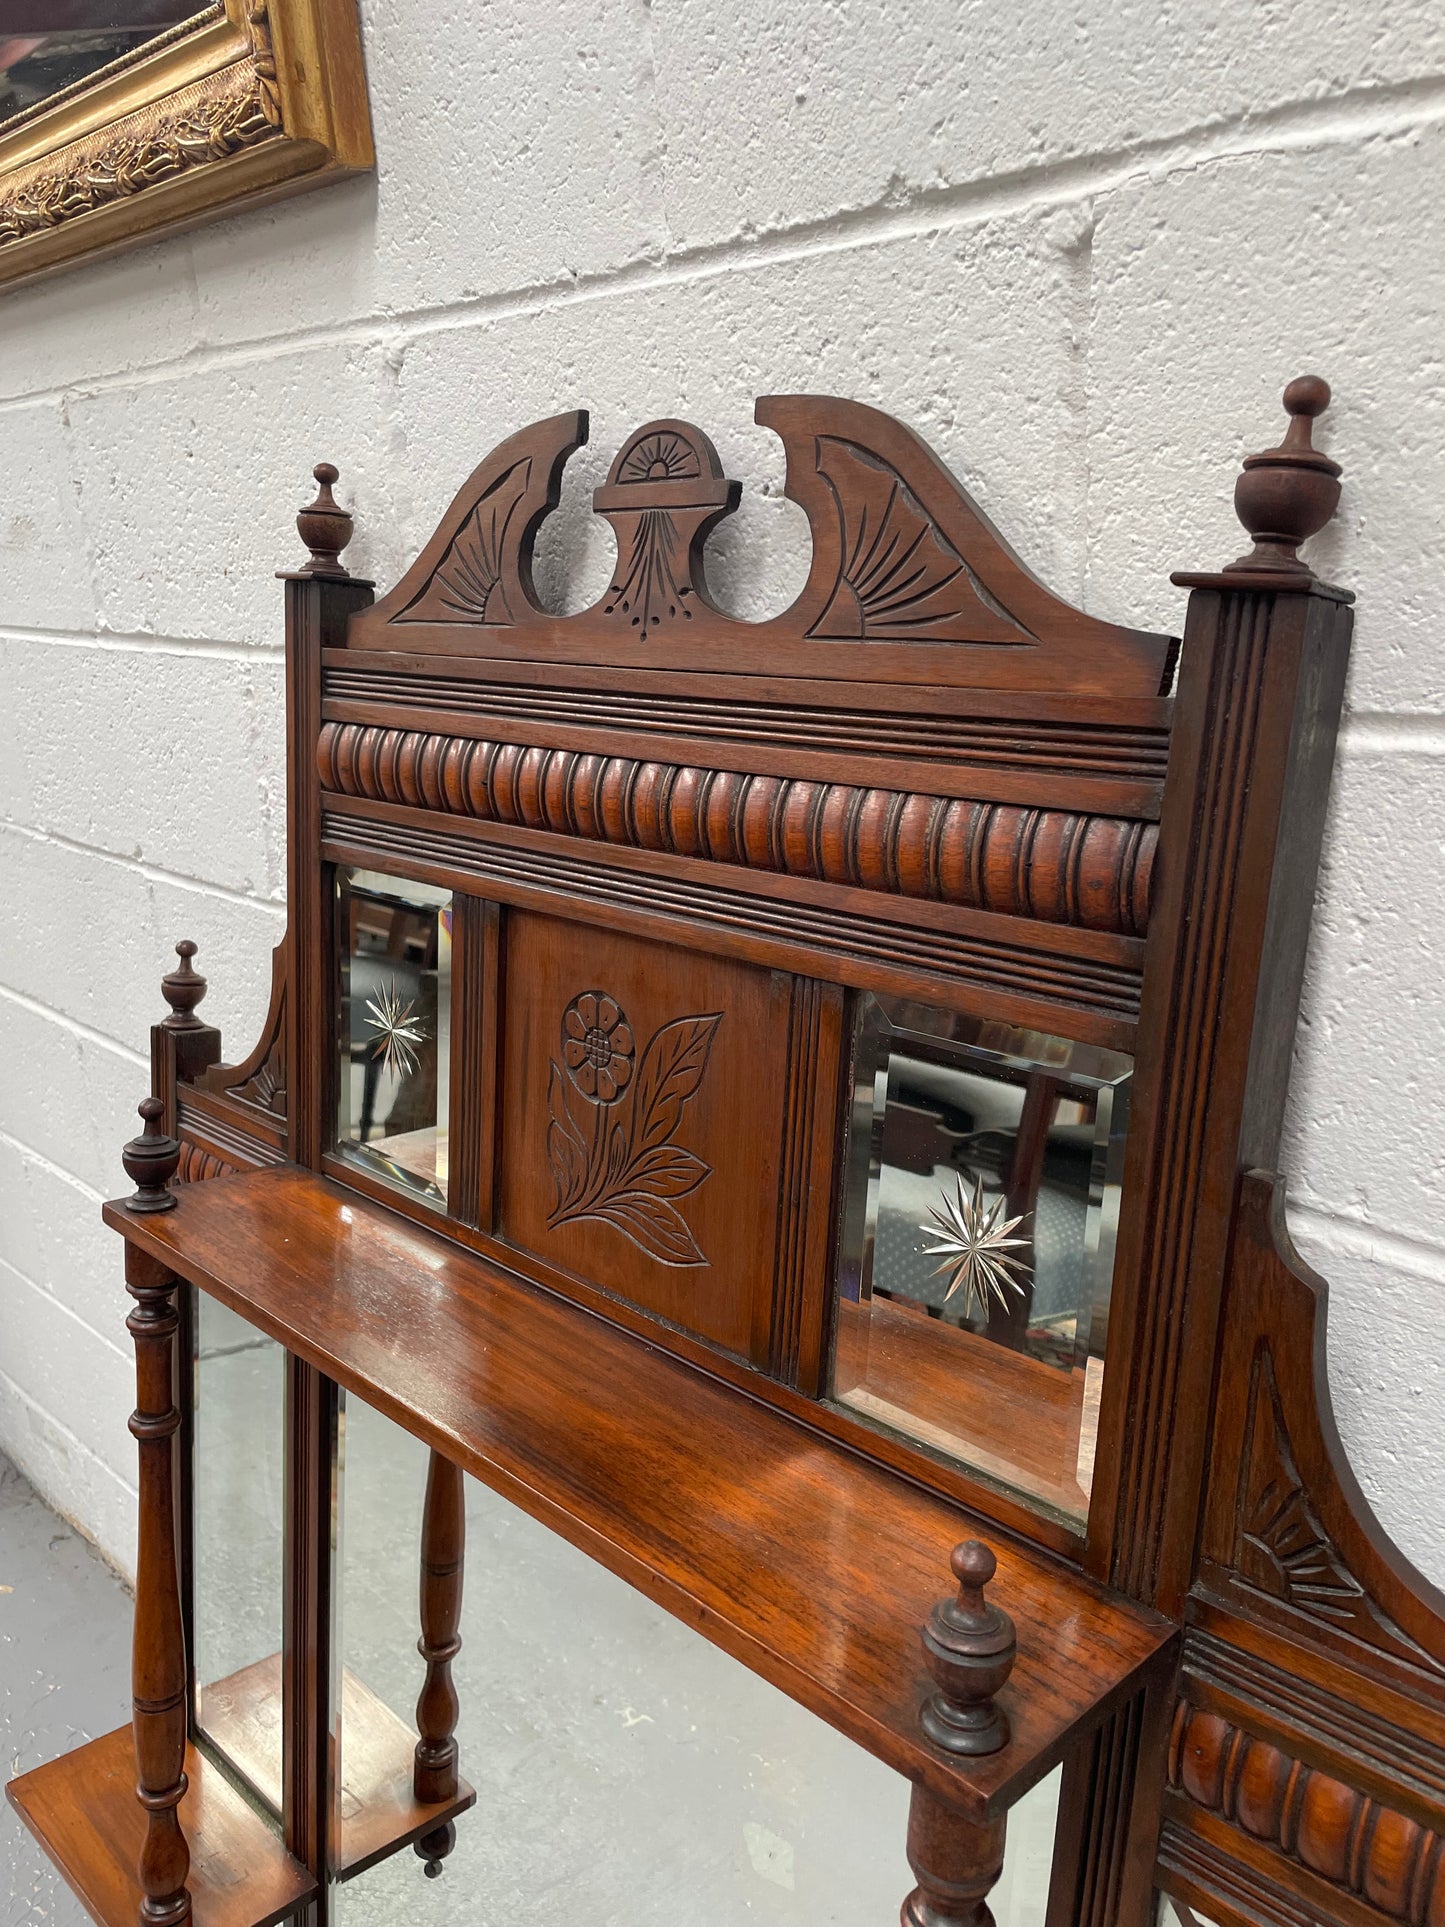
<point x="241" y="1719"/>
<point x="83" y="1810"/>
<point x="679" y="1483"/>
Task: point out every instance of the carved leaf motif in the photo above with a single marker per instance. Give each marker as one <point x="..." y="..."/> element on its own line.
<point x="466" y="584"/>
<point x="566" y="1147"/>
<point x="669" y="1171"/>
<point x="616" y="1163"/>
<point x="652" y="1223"/>
<point x="672" y="1068"/>
<point x="900" y="579"/>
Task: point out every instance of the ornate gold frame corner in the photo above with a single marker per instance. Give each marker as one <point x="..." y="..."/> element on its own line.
<point x="245" y="102"/>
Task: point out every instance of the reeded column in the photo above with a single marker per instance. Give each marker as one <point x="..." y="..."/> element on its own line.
<point x="443" y="1546"/>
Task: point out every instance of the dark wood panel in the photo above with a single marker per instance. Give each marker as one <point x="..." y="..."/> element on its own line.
<point x="83" y="1810"/>
<point x="642" y="1091"/>
<point x="1125" y="735"/>
<point x="813" y="1566"/>
<point x="804" y="1407"/>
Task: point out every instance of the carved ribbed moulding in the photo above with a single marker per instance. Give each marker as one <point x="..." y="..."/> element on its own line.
<point x="1358" y="1844"/>
<point x="1054" y="865"/>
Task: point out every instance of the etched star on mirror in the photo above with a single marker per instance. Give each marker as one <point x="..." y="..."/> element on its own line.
<point x="400" y="1031"/>
<point x="974" y="1243"/>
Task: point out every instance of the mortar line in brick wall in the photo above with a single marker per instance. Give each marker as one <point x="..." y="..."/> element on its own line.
<point x="1422" y="1257"/>
<point x="146" y="645"/>
<point x="43" y="1291"/>
<point x="48" y="1164"/>
<point x="73" y="1025"/>
<point x="153" y="873"/>
<point x="1353" y="116"/>
<point x="47" y="1417"/>
<point x="1392" y="733"/>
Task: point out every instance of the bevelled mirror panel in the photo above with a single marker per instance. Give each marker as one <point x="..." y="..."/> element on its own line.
<point x="237" y="1548"/>
<point x="977" y="1245"/>
<point x="395" y="1028"/>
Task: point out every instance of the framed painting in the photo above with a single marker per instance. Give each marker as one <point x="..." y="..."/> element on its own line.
<point x="121" y="120"/>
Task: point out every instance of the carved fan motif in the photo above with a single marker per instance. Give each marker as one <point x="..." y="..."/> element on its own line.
<point x="664" y="456"/>
<point x="466" y="584"/>
<point x="613" y="1156"/>
<point x="900" y="578"/>
<point x="1284" y="1551"/>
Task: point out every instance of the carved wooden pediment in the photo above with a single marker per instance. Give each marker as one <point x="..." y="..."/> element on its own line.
<point x="902" y="557"/>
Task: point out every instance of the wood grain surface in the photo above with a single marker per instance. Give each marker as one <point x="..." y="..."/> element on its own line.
<point x="814" y="1567"/>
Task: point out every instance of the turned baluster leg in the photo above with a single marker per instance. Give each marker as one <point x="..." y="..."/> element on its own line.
<point x="970" y="1648"/>
<point x="159" y="1654"/>
<point x="443" y="1545"/>
<point x="955" y="1862"/>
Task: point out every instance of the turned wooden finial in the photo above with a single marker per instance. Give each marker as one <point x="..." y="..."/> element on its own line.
<point x="1289" y="493"/>
<point x="970" y="1647"/>
<point x="150" y="1162"/>
<point x="325" y="527"/>
<point x="183" y="988"/>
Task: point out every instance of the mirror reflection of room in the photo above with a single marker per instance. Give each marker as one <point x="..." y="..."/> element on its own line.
<point x="396" y="1028"/>
<point x="978" y="1243"/>
<point x="47" y="46"/>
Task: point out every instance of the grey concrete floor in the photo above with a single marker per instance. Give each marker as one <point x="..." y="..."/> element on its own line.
<point x="627" y="1771"/>
<point x="64" y="1676"/>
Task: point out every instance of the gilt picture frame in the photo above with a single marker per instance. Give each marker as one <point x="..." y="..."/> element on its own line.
<point x="241" y="102"/>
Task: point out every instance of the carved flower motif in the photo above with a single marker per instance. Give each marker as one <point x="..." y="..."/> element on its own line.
<point x="597" y="1046"/>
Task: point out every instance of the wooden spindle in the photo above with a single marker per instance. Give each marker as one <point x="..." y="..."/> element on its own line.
<point x="158" y="1656"/>
<point x="443" y="1549"/>
<point x="158" y="1662"/>
<point x="956" y="1863"/>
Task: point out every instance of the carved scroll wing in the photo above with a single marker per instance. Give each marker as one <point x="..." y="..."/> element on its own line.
<point x="1289" y="1536"/>
<point x="260" y="1078"/>
<point x="1307" y="1771"/>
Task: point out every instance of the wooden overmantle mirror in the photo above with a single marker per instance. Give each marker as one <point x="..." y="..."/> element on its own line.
<point x="793" y="1106"/>
<point x="121" y="120"/>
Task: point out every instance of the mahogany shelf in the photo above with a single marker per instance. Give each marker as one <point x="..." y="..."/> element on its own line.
<point x="83" y="1810"/>
<point x="813" y="1565"/>
<point x="379" y="1814"/>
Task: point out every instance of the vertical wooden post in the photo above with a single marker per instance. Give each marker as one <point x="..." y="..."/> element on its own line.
<point x="321" y="596"/>
<point x="158" y="1666"/>
<point x="443" y="1548"/>
<point x="970" y="1647"/>
<point x="956" y="1862"/>
<point x="1261" y="687"/>
<point x="158" y="1656"/>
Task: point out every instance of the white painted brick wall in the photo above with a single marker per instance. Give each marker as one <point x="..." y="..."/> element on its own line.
<point x="1080" y="248"/>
